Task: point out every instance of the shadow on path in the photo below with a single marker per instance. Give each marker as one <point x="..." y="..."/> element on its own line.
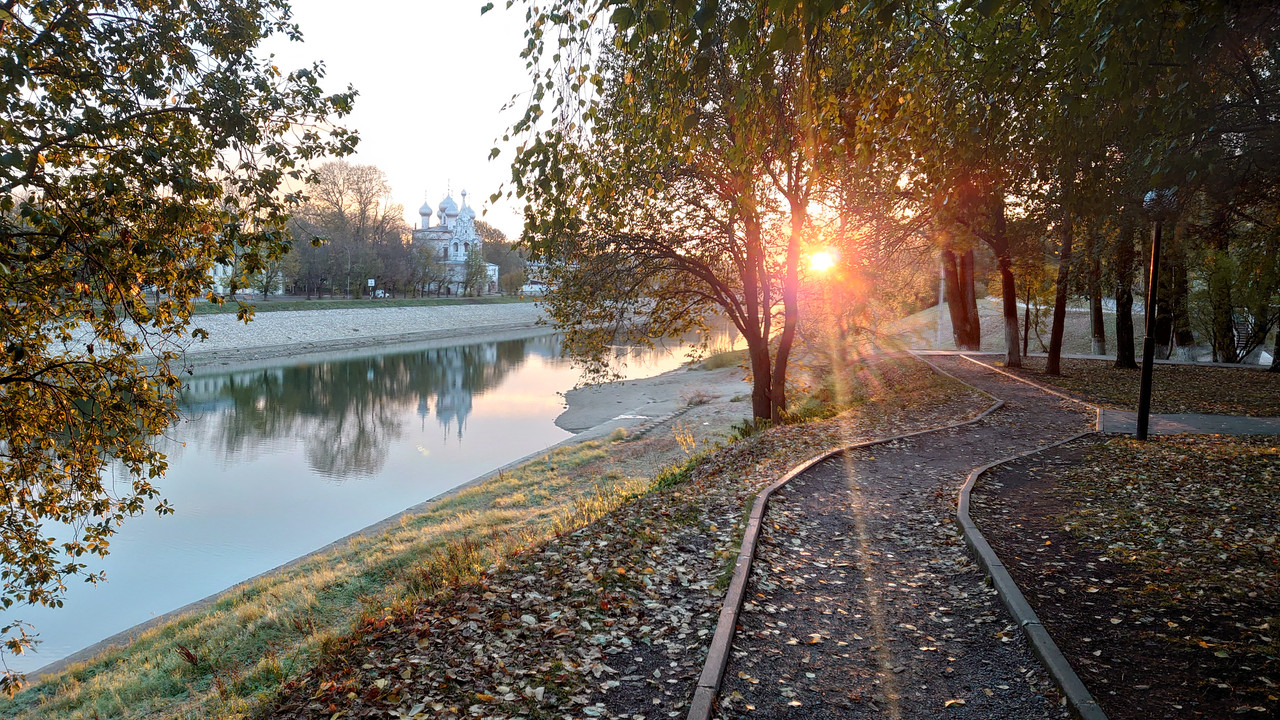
<point x="863" y="601"/>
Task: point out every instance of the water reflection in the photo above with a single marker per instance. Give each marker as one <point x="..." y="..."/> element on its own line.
<point x="257" y="469"/>
<point x="350" y="412"/>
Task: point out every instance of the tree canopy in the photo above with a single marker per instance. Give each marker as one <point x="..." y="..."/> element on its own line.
<point x="142" y="143"/>
<point x="657" y="131"/>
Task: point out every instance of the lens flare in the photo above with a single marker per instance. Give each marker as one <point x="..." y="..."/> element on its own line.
<point x="822" y="261"/>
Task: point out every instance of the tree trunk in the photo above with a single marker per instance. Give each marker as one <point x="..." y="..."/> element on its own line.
<point x="969" y="296"/>
<point x="999" y="242"/>
<point x="790" y="312"/>
<point x="962" y="300"/>
<point x="1224" y="332"/>
<point x="1054" y="364"/>
<point x="1275" y="354"/>
<point x="1174" y="292"/>
<point x="1124" y="260"/>
<point x="1097" y="328"/>
<point x="1026" y="322"/>
<point x="1010" y="300"/>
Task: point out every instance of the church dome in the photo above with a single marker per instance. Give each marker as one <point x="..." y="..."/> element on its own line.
<point x="425" y="210"/>
<point x="448" y="206"/>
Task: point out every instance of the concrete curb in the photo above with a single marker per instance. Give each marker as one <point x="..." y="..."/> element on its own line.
<point x="1079" y="700"/>
<point x="704" y="695"/>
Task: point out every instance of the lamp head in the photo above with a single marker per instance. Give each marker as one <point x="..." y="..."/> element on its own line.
<point x="1160" y="204"/>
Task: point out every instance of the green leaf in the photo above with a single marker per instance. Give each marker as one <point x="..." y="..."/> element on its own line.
<point x="987" y="8"/>
<point x="623" y="17"/>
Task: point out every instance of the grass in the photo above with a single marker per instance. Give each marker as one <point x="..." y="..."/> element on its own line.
<point x="1175" y="388"/>
<point x="727" y="358"/>
<point x="223" y="661"/>
<point x="261" y="306"/>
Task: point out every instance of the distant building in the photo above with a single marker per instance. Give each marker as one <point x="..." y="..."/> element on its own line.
<point x="451" y="240"/>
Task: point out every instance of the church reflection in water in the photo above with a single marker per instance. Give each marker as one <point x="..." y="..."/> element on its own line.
<point x="348" y="412"/>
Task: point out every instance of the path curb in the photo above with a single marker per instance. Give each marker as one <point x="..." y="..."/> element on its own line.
<point x="1079" y="700"/>
<point x="704" y="695"/>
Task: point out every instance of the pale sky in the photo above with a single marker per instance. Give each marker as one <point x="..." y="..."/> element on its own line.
<point x="432" y="76"/>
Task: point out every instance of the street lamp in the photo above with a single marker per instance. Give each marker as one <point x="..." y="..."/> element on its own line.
<point x="1158" y="205"/>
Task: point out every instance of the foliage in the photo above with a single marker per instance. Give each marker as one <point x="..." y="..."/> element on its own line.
<point x="511" y="283"/>
<point x="664" y="195"/>
<point x="142" y="145"/>
<point x="350" y="231"/>
<point x="476" y="279"/>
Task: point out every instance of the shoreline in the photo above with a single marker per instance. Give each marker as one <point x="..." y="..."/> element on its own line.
<point x="592" y="413"/>
<point x="278" y="337"/>
<point x="215" y="362"/>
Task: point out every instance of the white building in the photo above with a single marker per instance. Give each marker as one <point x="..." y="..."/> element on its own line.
<point x="452" y="239"/>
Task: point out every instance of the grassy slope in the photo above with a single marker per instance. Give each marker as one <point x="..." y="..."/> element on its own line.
<point x="217" y="662"/>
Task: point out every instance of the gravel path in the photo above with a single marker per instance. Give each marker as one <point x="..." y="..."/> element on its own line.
<point x="863" y="601"/>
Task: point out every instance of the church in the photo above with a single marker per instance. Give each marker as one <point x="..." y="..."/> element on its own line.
<point x="451" y="241"/>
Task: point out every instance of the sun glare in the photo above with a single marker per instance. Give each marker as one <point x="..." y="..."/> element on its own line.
<point x="822" y="261"/>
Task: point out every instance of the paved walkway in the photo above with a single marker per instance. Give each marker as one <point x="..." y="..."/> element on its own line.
<point x="863" y="602"/>
<point x="1125" y="422"/>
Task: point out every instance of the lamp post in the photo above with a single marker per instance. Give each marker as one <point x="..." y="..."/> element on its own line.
<point x="1159" y="205"/>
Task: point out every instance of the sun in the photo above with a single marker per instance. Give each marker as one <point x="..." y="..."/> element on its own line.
<point x="822" y="261"/>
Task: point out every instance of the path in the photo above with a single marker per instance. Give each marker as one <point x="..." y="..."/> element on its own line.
<point x="863" y="600"/>
<point x="1125" y="422"/>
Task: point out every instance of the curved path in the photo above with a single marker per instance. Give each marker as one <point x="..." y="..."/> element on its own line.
<point x="863" y="601"/>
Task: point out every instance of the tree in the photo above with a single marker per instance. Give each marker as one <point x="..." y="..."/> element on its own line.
<point x="511" y="282"/>
<point x="475" y="280"/>
<point x="499" y="250"/>
<point x="685" y="186"/>
<point x="430" y="271"/>
<point x="142" y="144"/>
<point x="351" y="211"/>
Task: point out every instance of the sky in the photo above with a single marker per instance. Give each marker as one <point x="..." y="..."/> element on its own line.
<point x="432" y="77"/>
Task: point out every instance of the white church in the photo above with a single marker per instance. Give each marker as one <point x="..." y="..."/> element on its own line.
<point x="452" y="240"/>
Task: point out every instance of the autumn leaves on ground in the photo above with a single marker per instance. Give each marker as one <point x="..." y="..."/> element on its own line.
<point x="1155" y="565"/>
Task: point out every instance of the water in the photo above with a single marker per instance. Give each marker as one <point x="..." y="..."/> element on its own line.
<point x="271" y="464"/>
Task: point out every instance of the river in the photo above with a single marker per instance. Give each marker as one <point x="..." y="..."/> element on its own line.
<point x="269" y="464"/>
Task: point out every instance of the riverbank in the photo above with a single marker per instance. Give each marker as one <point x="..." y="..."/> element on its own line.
<point x="266" y="629"/>
<point x="271" y="337"/>
<point x="233" y="657"/>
